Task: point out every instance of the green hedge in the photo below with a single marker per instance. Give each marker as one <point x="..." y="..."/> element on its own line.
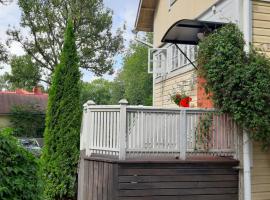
<point x="19" y="178"/>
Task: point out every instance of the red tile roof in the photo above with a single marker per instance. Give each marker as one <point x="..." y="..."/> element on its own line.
<point x="8" y="99"/>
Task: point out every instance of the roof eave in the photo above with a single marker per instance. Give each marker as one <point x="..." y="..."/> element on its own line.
<point x="140" y="24"/>
<point x="138" y="14"/>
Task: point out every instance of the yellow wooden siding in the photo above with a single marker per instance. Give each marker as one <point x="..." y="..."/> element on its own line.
<point x="261" y="26"/>
<point x="164" y="89"/>
<point x="260" y="174"/>
<point x="261" y="160"/>
<point x="181" y="9"/>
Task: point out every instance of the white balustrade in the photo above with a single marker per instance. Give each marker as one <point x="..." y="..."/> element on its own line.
<point x="142" y="131"/>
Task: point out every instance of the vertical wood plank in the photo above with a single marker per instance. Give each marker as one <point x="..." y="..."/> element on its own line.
<point x="115" y="183"/>
<point x="100" y="180"/>
<point x="90" y="180"/>
<point x="82" y="179"/>
<point x="105" y="181"/>
<point x="95" y="181"/>
<point x="110" y="181"/>
<point x="87" y="180"/>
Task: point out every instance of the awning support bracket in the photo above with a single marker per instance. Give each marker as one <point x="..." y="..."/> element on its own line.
<point x="185" y="55"/>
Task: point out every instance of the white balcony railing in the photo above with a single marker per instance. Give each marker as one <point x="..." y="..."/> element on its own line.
<point x="141" y="131"/>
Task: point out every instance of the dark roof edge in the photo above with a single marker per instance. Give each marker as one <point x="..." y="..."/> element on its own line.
<point x="201" y="21"/>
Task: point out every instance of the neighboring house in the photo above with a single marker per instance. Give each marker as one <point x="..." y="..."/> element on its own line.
<point x="8" y="99"/>
<point x="160" y="152"/>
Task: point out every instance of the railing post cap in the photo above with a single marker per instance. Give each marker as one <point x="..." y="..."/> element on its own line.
<point x="123" y="102"/>
<point x="90" y="102"/>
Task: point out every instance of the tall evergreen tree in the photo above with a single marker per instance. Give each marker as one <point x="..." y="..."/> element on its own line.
<point x="62" y="132"/>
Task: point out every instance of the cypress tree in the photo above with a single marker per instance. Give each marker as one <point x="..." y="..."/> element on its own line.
<point x="63" y="118"/>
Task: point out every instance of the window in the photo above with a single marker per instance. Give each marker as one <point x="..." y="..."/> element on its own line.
<point x="157" y="61"/>
<point x="191" y="53"/>
<point x="160" y="64"/>
<point x="177" y="59"/>
<point x="186" y="52"/>
<point x="174" y="54"/>
<point x="195" y="52"/>
<point x="168" y="58"/>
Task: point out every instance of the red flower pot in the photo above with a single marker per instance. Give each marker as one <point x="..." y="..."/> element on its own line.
<point x="185" y="102"/>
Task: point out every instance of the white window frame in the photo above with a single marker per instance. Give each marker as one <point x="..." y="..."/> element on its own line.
<point x="158" y="59"/>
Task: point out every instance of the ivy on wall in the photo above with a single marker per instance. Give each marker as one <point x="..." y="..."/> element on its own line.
<point x="239" y="81"/>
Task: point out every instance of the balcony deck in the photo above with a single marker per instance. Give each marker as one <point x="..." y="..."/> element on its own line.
<point x="125" y="132"/>
<point x="110" y="179"/>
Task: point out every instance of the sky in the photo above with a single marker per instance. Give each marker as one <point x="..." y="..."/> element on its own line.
<point x="124" y="11"/>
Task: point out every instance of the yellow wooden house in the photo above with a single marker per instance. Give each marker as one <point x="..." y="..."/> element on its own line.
<point x="252" y="17"/>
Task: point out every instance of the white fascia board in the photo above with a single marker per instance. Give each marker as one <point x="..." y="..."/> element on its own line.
<point x="227" y="11"/>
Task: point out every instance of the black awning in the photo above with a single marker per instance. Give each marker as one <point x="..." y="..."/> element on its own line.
<point x="188" y="31"/>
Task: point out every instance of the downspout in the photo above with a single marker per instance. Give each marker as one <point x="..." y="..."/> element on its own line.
<point x="247" y="23"/>
<point x="246" y="166"/>
<point x="247" y="30"/>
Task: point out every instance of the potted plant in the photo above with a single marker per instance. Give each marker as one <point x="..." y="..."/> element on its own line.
<point x="182" y="100"/>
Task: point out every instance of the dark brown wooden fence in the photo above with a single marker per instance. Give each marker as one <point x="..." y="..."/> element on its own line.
<point x="111" y="180"/>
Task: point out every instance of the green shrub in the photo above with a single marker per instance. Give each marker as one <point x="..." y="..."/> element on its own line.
<point x="238" y="81"/>
<point x="63" y="120"/>
<point x="27" y="120"/>
<point x="19" y="178"/>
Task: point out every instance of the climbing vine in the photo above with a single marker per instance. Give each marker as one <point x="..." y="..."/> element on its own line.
<point x="204" y="131"/>
<point x="239" y="82"/>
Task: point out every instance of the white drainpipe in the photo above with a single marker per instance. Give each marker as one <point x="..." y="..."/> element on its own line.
<point x="247" y="30"/>
<point x="247" y="22"/>
<point x="246" y="166"/>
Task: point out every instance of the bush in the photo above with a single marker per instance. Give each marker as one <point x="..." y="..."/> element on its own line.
<point x="239" y="82"/>
<point x="27" y="121"/>
<point x="18" y="170"/>
<point x="98" y="90"/>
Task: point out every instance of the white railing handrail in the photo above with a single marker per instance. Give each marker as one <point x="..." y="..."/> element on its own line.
<point x="139" y="107"/>
<point x="90" y="107"/>
<point x="121" y="129"/>
<point x="149" y="108"/>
